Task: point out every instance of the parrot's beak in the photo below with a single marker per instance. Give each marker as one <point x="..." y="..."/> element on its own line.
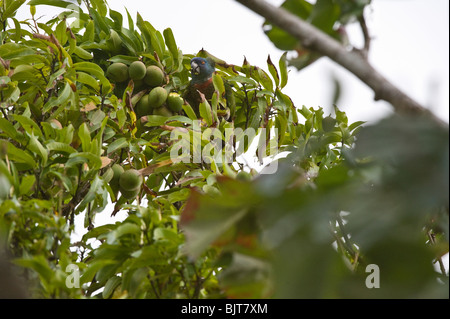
<point x="195" y="68"/>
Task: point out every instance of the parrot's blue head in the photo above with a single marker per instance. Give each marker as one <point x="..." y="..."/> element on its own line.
<point x="201" y="69"/>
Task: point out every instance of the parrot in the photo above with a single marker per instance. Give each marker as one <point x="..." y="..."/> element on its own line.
<point x="202" y="70"/>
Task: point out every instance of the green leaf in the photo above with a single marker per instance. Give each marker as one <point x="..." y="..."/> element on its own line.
<point x="281" y="125"/>
<point x="28" y="124"/>
<point x="122" y="230"/>
<point x="88" y="80"/>
<point x="60" y="147"/>
<point x="60" y="101"/>
<point x="355" y="125"/>
<point x="100" y="21"/>
<point x="156" y="120"/>
<point x="117" y="144"/>
<point x="97" y="232"/>
<point x="100" y="6"/>
<point x="89" y="33"/>
<point x="123" y="58"/>
<point x="260" y="110"/>
<point x="283" y="71"/>
<point x="189" y="111"/>
<point x="324" y="15"/>
<point x="121" y="117"/>
<point x="66" y="182"/>
<point x="273" y="71"/>
<point x="27" y="184"/>
<point x="95" y="187"/>
<point x="60" y="32"/>
<point x="280" y="38"/>
<point x="205" y="111"/>
<point x="179" y="195"/>
<point x="11" y="50"/>
<point x="171" y="44"/>
<point x="93" y="268"/>
<point x="8" y="128"/>
<point x="54" y="3"/>
<point x="130" y="21"/>
<point x="264" y="79"/>
<point x="18" y="34"/>
<point x="110" y="286"/>
<point x="82" y="53"/>
<point x="90" y="68"/>
<point x="179" y="118"/>
<point x="85" y="137"/>
<point x="117" y="18"/>
<point x="219" y="84"/>
<point x="36" y="147"/>
<point x="151" y="37"/>
<point x="341" y="117"/>
<point x="18" y="155"/>
<point x="93" y="160"/>
<point x="11" y="9"/>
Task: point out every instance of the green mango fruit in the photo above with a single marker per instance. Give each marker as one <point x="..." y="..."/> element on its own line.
<point x="117" y="72"/>
<point x="154" y="76"/>
<point x="137" y="70"/>
<point x="130" y="180"/>
<point x="175" y="102"/>
<point x="114" y="182"/>
<point x="163" y="111"/>
<point x="157" y="97"/>
<point x="143" y="107"/>
<point x="131" y="194"/>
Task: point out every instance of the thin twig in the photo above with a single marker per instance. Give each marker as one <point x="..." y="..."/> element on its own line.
<point x="439" y="259"/>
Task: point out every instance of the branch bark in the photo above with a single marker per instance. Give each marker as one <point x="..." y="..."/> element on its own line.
<point x="315" y="40"/>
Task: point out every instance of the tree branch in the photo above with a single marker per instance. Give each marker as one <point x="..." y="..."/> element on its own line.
<point x="315" y="40"/>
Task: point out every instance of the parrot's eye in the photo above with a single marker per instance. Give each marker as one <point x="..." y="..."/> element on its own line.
<point x="203" y="62"/>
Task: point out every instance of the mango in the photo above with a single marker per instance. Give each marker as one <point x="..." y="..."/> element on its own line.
<point x="130" y="180"/>
<point x="137" y="70"/>
<point x="143" y="107"/>
<point x="130" y="194"/>
<point x="114" y="182"/>
<point x="175" y="102"/>
<point x="157" y="97"/>
<point x="117" y="72"/>
<point x="163" y="111"/>
<point x="154" y="76"/>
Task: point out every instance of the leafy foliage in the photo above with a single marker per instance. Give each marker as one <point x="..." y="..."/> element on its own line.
<point x="342" y="197"/>
<point x="330" y="17"/>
